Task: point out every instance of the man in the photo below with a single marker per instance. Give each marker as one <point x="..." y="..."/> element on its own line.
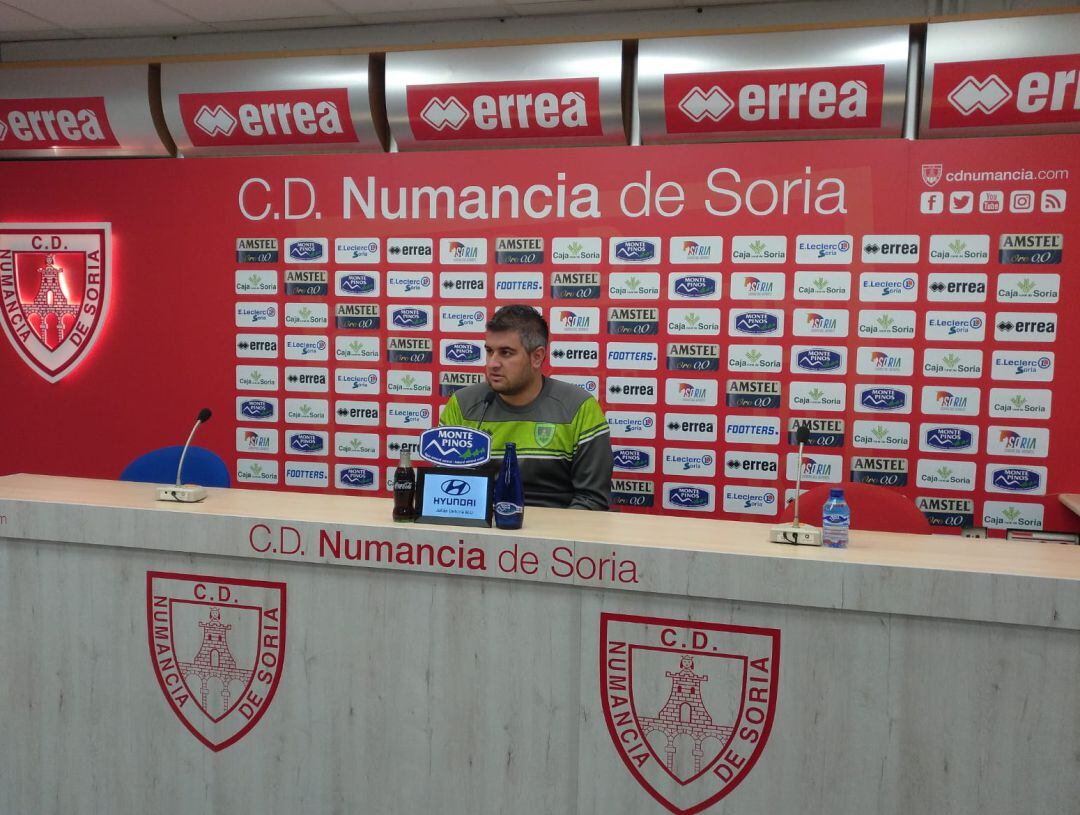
<point x="562" y="438"/>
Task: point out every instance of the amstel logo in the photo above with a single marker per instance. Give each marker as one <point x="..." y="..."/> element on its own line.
<point x="54" y="292"/>
<point x="689" y="705"/>
<point x="217" y="645"/>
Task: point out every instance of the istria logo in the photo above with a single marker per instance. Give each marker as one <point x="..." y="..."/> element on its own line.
<point x="577" y="321"/>
<point x="756" y="286"/>
<point x="883" y="361"/>
<point x="949" y="401"/>
<point x="820" y="323"/>
<point x="467" y="251"/>
<point x="693" y="249"/>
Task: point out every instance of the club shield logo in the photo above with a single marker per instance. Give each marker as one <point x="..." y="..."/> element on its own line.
<point x="217" y="645"/>
<point x="689" y="705"/>
<point x="54" y="287"/>
<point x="543" y="433"/>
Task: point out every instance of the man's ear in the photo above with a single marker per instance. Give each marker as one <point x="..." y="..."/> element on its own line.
<point x="538" y="356"/>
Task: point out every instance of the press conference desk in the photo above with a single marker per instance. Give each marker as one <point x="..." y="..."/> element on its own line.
<point x="291" y="653"/>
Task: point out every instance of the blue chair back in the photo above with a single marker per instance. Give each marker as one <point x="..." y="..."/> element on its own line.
<point x="201" y="466"/>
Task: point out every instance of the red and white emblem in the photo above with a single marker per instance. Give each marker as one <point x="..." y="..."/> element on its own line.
<point x="931" y="174"/>
<point x="54" y="292"/>
<point x="689" y="705"/>
<point x="218" y="647"/>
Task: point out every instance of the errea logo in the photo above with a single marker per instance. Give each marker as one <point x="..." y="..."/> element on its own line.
<point x="505" y="110"/>
<point x="302" y="116"/>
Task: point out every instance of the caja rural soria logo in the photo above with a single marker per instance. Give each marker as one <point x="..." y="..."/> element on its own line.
<point x="54" y="292"/>
<point x="218" y="647"/>
<point x="689" y="705"/>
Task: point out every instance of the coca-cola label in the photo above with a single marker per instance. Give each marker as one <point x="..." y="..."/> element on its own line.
<point x="73" y="122"/>
<point x="505" y="110"/>
<point x="245" y="118"/>
<point x="993" y="92"/>
<point x="784" y="99"/>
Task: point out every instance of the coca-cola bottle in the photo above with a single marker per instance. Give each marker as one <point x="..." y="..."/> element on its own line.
<point x="509" y="492"/>
<point x="404" y="489"/>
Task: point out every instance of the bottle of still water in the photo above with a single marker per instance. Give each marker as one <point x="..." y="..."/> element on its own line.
<point x="835" y="520"/>
<point x="404" y="489"/>
<point x="509" y="492"/>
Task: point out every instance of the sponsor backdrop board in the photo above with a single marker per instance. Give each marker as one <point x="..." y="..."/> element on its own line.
<point x="904" y="296"/>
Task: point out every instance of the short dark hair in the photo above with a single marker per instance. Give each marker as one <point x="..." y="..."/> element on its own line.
<point x="525" y="320"/>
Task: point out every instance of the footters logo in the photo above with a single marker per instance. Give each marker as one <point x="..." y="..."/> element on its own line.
<point x="218" y="647"/>
<point x="689" y="705"/>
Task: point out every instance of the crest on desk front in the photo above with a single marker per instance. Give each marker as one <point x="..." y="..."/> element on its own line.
<point x="217" y="645"/>
<point x="54" y="292"/>
<point x="689" y="705"/>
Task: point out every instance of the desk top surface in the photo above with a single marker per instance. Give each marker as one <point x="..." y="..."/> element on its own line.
<point x="657" y="532"/>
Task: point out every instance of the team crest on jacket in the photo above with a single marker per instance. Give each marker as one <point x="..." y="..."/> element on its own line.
<point x="689" y="705"/>
<point x="54" y="292"/>
<point x="218" y="646"/>
<point x="544" y="433"/>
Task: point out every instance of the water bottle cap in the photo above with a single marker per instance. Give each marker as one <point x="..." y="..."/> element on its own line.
<point x="836" y="492"/>
<point x="511" y="446"/>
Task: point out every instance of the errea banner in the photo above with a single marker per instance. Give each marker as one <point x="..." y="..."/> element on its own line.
<point x="36" y="124"/>
<point x="529" y="109"/>
<point x="774" y="100"/>
<point x="270" y="117"/>
<point x="1027" y="91"/>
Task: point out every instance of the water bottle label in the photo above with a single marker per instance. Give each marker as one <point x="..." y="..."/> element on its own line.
<point x="831" y="518"/>
<point x="508" y="508"/>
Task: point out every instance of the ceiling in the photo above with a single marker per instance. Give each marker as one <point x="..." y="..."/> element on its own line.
<point x="24" y="20"/>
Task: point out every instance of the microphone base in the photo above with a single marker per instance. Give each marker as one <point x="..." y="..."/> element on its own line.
<point x="186" y="494"/>
<point x="801" y="535"/>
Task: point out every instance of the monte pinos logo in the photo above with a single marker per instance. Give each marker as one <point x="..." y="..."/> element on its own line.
<point x="689" y="705"/>
<point x="54" y="292"/>
<point x="217" y="645"/>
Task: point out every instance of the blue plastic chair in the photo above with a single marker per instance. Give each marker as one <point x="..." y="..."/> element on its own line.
<point x="201" y="466"/>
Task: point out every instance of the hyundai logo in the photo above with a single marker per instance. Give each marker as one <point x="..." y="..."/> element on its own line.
<point x="456" y="486"/>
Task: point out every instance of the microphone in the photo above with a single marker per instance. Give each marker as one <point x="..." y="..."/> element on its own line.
<point x="802" y="436"/>
<point x="793" y="533"/>
<point x="487" y="403"/>
<point x="188" y="493"/>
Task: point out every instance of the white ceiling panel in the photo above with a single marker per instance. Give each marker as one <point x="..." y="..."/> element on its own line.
<point x="329" y="21"/>
<point x="93" y="14"/>
<point x="368" y="8"/>
<point x="213" y="11"/>
<point x="13" y="21"/>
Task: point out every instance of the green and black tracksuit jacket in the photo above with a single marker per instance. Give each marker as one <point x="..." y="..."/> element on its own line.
<point x="562" y="438"/>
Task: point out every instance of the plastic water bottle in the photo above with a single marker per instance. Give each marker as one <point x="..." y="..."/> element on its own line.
<point x="509" y="492"/>
<point x="835" y="520"/>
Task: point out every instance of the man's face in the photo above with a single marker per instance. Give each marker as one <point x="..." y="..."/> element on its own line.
<point x="510" y="369"/>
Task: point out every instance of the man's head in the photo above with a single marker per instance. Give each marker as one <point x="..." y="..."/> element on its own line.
<point x="516" y="342"/>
